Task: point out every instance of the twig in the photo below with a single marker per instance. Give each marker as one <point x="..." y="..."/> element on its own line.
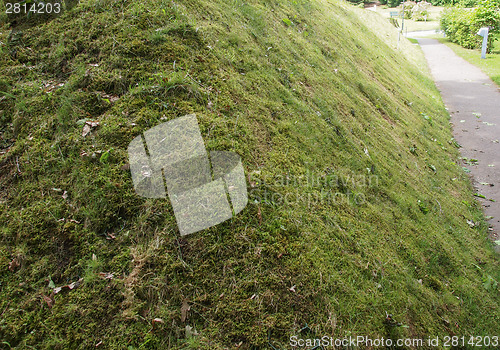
<point x="440" y="209"/>
<point x="17" y="164"/>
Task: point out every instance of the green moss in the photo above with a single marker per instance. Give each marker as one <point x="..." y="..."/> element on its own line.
<point x="357" y="207"/>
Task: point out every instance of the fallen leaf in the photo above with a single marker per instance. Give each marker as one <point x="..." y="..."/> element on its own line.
<point x="185" y="310"/>
<point x="106" y="275"/>
<point x="190" y="332"/>
<point x="48" y="300"/>
<point x="157" y="320"/>
<point x="86" y="130"/>
<point x="110" y="236"/>
<point x="75" y="284"/>
<point x="70" y="286"/>
<point x="14" y="264"/>
<point x="89" y="125"/>
<point x="259" y="215"/>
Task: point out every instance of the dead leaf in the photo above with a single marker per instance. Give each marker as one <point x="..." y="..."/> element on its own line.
<point x="259" y="215"/>
<point x="185" y="310"/>
<point x="110" y="236"/>
<point x="48" y="300"/>
<point x="75" y="284"/>
<point x="106" y="275"/>
<point x="157" y="320"/>
<point x="190" y="332"/>
<point x="14" y="264"/>
<point x="70" y="286"/>
<point x="471" y="223"/>
<point x="86" y="130"/>
<point x="89" y="125"/>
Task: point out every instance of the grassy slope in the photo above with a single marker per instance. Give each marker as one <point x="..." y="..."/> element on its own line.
<point x="324" y="96"/>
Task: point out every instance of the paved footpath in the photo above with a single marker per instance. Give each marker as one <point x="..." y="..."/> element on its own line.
<point x="473" y="101"/>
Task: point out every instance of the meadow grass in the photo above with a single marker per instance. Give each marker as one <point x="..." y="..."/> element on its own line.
<point x="410" y="25"/>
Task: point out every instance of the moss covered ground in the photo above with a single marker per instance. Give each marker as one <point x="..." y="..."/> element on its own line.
<point x="358" y="207"/>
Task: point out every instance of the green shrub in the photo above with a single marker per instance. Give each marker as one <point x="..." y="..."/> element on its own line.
<point x="394" y="3"/>
<point x="420" y="11"/>
<point x="462" y="24"/>
<point x="408" y="7"/>
<point x="468" y="3"/>
<point x="356" y="2"/>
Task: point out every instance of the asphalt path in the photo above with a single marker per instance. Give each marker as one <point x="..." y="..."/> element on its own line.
<point x="473" y="101"/>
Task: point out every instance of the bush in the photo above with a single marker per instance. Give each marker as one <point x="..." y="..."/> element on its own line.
<point x="394" y="3"/>
<point x="462" y="24"/>
<point x="420" y="11"/>
<point x="467" y="3"/>
<point x="409" y="5"/>
<point x="417" y="11"/>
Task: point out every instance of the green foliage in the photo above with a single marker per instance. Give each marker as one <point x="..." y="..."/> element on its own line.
<point x="462" y="24"/>
<point x="468" y="3"/>
<point x="408" y="7"/>
<point x="394" y="3"/>
<point x="443" y="2"/>
<point x="420" y="12"/>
